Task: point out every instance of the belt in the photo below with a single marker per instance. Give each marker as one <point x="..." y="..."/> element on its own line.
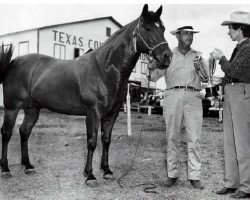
<point x="190" y="88"/>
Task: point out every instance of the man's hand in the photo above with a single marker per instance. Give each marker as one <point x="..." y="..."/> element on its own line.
<point x="197" y="62"/>
<point x="217" y="54"/>
<point x="215" y="80"/>
<point x="152" y="64"/>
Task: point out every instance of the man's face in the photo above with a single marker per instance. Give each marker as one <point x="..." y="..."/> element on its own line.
<point x="234" y="34"/>
<point x="185" y="38"/>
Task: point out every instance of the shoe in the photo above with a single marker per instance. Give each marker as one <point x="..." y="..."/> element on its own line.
<point x="240" y="195"/>
<point x="225" y="190"/>
<point x="171" y="181"/>
<point x="196" y="184"/>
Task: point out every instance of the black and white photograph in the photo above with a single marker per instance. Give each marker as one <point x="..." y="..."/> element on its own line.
<point x="124" y="100"/>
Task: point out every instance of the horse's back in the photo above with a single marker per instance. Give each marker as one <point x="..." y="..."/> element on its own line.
<point x="22" y="67"/>
<point x="49" y="81"/>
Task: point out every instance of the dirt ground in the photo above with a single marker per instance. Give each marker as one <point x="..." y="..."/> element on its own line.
<point x="58" y="152"/>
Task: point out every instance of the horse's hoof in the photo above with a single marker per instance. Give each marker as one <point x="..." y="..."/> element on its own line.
<point x="109" y="177"/>
<point x="91" y="183"/>
<point x="29" y="171"/>
<point x="6" y="175"/>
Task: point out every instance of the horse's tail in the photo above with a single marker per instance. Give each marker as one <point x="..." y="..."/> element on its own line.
<point x="5" y="59"/>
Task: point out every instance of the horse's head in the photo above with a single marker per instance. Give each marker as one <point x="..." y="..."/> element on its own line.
<point x="149" y="37"/>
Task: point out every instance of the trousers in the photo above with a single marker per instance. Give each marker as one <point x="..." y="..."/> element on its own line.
<point x="183" y="108"/>
<point x="236" y="125"/>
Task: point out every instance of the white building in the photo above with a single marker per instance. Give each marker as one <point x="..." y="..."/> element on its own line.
<point x="70" y="40"/>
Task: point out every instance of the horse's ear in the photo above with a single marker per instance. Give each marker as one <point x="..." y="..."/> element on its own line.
<point x="159" y="11"/>
<point x="145" y="10"/>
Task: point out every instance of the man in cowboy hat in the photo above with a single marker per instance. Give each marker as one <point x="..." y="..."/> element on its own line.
<point x="183" y="103"/>
<point x="236" y="108"/>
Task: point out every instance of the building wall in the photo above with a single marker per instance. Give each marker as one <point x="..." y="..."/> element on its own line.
<point x="17" y="39"/>
<point x="82" y="35"/>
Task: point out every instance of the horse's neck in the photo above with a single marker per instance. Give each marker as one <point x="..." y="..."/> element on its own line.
<point x="119" y="52"/>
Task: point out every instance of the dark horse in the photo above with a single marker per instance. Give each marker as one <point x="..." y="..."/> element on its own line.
<point x="94" y="86"/>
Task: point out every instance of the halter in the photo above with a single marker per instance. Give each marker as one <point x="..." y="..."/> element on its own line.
<point x="137" y="33"/>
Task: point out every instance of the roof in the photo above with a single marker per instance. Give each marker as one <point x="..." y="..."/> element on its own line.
<point x="62" y="24"/>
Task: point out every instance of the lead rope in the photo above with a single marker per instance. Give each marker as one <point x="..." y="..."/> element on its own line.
<point x="150" y="59"/>
<point x="149" y="187"/>
<point x="132" y="162"/>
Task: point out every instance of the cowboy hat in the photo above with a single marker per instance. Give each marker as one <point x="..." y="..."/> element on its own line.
<point x="185" y="28"/>
<point x="238" y="17"/>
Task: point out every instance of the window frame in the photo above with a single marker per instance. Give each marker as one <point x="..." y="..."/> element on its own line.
<point x="19" y="44"/>
<point x="60" y="45"/>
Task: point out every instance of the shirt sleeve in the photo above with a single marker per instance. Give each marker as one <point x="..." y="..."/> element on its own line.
<point x="239" y="67"/>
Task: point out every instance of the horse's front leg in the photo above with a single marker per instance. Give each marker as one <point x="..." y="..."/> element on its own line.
<point x="107" y="125"/>
<point x="92" y="124"/>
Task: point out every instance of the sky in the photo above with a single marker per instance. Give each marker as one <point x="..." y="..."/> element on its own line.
<point x="206" y="17"/>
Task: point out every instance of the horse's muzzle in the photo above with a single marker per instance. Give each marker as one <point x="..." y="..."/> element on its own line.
<point x="165" y="60"/>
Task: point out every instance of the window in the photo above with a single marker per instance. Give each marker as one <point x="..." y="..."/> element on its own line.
<point x="144" y="65"/>
<point x="59" y="51"/>
<point x="78" y="52"/>
<point x="108" y="31"/>
<point x="23" y="48"/>
<point x="143" y="57"/>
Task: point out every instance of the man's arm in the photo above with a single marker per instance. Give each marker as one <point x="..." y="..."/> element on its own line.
<point x="239" y="67"/>
<point x="156" y="74"/>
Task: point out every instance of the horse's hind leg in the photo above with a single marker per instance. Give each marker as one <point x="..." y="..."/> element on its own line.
<point x="30" y="119"/>
<point x="6" y="131"/>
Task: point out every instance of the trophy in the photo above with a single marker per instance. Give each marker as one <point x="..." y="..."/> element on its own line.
<point x="205" y="67"/>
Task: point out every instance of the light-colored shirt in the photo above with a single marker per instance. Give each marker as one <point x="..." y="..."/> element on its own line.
<point x="181" y="71"/>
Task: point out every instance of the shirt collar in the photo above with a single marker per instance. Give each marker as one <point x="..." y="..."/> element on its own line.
<point x="175" y="50"/>
<point x="242" y="43"/>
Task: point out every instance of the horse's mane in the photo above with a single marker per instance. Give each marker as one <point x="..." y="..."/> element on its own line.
<point x="113" y="36"/>
<point x="110" y="39"/>
<point x="151" y="16"/>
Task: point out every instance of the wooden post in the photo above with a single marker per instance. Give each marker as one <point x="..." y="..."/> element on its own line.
<point x="220" y="115"/>
<point x="149" y="110"/>
<point x="220" y="100"/>
<point x="128" y="113"/>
